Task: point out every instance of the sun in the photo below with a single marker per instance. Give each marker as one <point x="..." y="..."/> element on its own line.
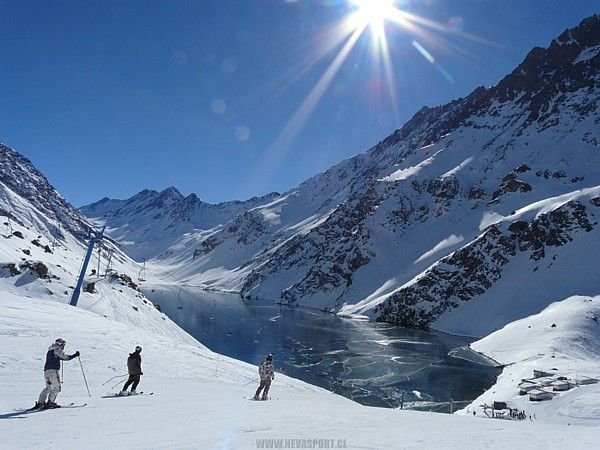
<point x="374" y="12"/>
<point x="359" y="16"/>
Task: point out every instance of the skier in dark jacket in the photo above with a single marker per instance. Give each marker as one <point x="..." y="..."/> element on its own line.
<point x="56" y="353"/>
<point x="266" y="372"/>
<point x="134" y="367"/>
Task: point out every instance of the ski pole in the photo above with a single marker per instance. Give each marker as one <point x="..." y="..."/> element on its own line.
<point x="118" y="383"/>
<point x="118" y="376"/>
<point x="84" y="379"/>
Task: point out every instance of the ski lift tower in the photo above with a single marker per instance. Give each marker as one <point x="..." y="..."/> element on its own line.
<point x="93" y="237"/>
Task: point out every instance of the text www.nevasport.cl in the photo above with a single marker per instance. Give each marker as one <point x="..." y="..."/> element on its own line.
<point x="300" y="443"/>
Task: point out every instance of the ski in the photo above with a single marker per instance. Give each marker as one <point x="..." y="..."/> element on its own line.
<point x="68" y="405"/>
<point x="111" y="395"/>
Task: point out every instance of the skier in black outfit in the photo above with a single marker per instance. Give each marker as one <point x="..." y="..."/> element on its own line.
<point x="55" y="354"/>
<point x="134" y="366"/>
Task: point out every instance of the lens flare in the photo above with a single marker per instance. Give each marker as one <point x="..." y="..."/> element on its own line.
<point x="374" y="12"/>
<point x="340" y="40"/>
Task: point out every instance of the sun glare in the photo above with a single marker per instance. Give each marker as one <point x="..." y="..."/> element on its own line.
<point x="362" y="15"/>
<point x="374" y="12"/>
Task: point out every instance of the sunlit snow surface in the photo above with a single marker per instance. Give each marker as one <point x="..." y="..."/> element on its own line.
<point x="200" y="398"/>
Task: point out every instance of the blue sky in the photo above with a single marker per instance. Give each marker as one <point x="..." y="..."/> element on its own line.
<point x="235" y="98"/>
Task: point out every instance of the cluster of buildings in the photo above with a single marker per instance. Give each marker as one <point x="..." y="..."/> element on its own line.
<point x="544" y="385"/>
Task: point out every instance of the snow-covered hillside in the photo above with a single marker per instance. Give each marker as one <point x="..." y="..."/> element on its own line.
<point x="40" y="230"/>
<point x="200" y="398"/>
<point x="564" y="341"/>
<point x="29" y="196"/>
<point x="486" y="207"/>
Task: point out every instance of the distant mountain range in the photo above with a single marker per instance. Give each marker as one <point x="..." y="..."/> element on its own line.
<point x="151" y="222"/>
<point x="473" y="214"/>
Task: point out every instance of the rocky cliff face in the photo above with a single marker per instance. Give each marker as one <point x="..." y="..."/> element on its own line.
<point x="472" y="270"/>
<point x="52" y="212"/>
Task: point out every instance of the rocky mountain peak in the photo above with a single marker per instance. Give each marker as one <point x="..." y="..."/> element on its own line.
<point x="555" y="63"/>
<point x="172" y="192"/>
<point x="571" y="62"/>
<point x="19" y="175"/>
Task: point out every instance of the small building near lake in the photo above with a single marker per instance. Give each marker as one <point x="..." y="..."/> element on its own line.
<point x="537" y="395"/>
<point x="525" y="386"/>
<point x="561" y="385"/>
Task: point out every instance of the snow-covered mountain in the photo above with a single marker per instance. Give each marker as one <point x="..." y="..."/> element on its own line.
<point x="473" y="214"/>
<point x="43" y="241"/>
<point x="150" y="222"/>
<point x="29" y="196"/>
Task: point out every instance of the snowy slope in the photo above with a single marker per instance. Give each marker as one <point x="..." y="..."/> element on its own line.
<point x="564" y="340"/>
<point x="432" y="226"/>
<point x="199" y="397"/>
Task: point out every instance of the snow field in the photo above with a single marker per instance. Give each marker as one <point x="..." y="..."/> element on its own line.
<point x="200" y="398"/>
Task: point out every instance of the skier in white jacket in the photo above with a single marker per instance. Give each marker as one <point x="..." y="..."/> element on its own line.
<point x="267" y="373"/>
<point x="55" y="354"/>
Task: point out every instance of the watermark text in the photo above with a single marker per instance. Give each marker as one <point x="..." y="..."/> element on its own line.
<point x="300" y="443"/>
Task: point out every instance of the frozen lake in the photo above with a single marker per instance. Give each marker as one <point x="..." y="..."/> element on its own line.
<point x="373" y="364"/>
